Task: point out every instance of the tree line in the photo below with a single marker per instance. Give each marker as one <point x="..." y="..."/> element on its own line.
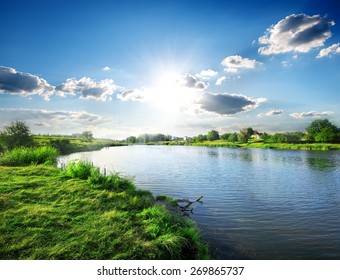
<point x="319" y="131"/>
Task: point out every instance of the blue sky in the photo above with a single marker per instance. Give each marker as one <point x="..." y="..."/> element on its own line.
<point x="121" y="68"/>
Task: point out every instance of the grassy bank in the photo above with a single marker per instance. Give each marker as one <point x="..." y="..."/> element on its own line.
<point x="263" y="145"/>
<point x="47" y="213"/>
<point x="68" y="145"/>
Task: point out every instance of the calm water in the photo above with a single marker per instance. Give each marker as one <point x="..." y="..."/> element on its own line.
<point x="258" y="204"/>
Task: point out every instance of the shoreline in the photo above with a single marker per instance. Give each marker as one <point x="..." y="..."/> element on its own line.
<point x="255" y="145"/>
<point x="79" y="213"/>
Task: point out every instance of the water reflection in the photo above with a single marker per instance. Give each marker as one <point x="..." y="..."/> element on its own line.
<point x="322" y="164"/>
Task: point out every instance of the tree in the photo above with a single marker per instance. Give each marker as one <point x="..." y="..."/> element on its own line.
<point x="213" y="135"/>
<point x="265" y="136"/>
<point x="200" y="138"/>
<point x="131" y="140"/>
<point x="17" y="134"/>
<point x="322" y="131"/>
<point x="233" y="137"/>
<point x="225" y="136"/>
<point x="245" y="134"/>
<point x="87" y="135"/>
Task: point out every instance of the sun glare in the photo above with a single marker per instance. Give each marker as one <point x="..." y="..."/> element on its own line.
<point x="169" y="94"/>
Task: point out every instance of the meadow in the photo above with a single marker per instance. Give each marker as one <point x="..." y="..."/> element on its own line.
<point x="79" y="213"/>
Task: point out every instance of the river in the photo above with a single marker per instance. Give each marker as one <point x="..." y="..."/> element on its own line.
<point x="257" y="203"/>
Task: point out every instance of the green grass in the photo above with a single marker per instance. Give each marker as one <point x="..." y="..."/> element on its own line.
<point x="264" y="145"/>
<point x="47" y="213"/>
<point x="67" y="145"/>
<point x="29" y="155"/>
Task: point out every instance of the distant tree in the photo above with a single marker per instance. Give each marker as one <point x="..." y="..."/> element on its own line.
<point x="199" y="138"/>
<point x="157" y="137"/>
<point x="245" y="134"/>
<point x="279" y="138"/>
<point x="131" y="140"/>
<point x="233" y="137"/>
<point x="87" y="136"/>
<point x="225" y="136"/>
<point x="17" y="134"/>
<point x="143" y="138"/>
<point x="213" y="135"/>
<point x="265" y="136"/>
<point x="322" y="131"/>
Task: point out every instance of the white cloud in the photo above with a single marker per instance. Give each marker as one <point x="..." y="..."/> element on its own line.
<point x="25" y="84"/>
<point x="41" y="116"/>
<point x="311" y="114"/>
<point x="88" y="88"/>
<point x="106" y="69"/>
<point x="286" y="64"/>
<point x="271" y="113"/>
<point x="296" y="33"/>
<point x="220" y="80"/>
<point x="335" y="48"/>
<point x="20" y="83"/>
<point x="206" y="74"/>
<point x="235" y="62"/>
<point x="133" y="95"/>
<point x="59" y="121"/>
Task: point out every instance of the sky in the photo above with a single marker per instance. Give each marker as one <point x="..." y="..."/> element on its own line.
<point x="127" y="67"/>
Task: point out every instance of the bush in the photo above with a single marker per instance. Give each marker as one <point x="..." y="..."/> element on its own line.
<point x="29" y="155"/>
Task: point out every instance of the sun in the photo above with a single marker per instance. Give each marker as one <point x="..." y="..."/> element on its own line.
<point x="168" y="92"/>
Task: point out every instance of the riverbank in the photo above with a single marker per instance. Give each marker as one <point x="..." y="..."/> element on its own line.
<point x="67" y="145"/>
<point x="78" y="213"/>
<point x="49" y="214"/>
<point x="263" y="145"/>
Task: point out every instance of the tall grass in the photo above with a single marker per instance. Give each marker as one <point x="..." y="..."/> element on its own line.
<point x="86" y="171"/>
<point x="29" y="155"/>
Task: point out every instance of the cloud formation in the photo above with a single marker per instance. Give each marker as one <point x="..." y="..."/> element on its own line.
<point x="235" y="62"/>
<point x="88" y="88"/>
<point x="25" y="84"/>
<point x="335" y="48"/>
<point x="220" y="80"/>
<point x="106" y="69"/>
<point x="132" y="95"/>
<point x="191" y="82"/>
<point x="20" y="83"/>
<point x="40" y="117"/>
<point x="206" y="74"/>
<point x="311" y="114"/>
<point x="296" y="33"/>
<point x="271" y="113"/>
<point x="227" y="104"/>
